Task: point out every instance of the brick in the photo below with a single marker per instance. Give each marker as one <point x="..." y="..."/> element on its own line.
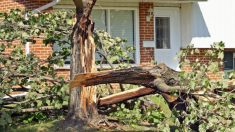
<point x="146" y="32"/>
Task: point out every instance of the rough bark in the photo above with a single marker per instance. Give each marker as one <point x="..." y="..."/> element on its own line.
<point x="159" y="77"/>
<point x="82" y="103"/>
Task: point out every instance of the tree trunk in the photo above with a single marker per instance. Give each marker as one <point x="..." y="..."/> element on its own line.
<point x="82" y="103"/>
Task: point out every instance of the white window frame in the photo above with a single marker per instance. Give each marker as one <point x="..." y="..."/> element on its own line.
<point x="168" y="55"/>
<point x="136" y="33"/>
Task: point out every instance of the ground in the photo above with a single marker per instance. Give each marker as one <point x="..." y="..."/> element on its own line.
<point x="56" y="126"/>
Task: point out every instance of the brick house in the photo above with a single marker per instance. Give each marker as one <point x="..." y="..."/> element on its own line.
<point x="158" y="29"/>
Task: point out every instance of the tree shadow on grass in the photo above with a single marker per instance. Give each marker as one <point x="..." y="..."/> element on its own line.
<point x="73" y="125"/>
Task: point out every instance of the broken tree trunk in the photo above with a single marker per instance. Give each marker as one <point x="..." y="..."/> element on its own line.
<point x="82" y="102"/>
<point x="159" y="77"/>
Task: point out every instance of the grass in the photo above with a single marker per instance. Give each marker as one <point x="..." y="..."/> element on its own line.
<point x="49" y="126"/>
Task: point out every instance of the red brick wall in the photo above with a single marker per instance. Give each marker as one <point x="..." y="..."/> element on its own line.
<point x="146" y="32"/>
<point x="203" y="59"/>
<point x="65" y="73"/>
<point x="6" y="5"/>
<point x="40" y="50"/>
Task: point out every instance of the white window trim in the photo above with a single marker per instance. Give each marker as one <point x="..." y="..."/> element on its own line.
<point x="157" y="9"/>
<point x="137" y="39"/>
<point x="174" y="45"/>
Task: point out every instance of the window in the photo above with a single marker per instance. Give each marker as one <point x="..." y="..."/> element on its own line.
<point x="119" y="23"/>
<point x="229" y="60"/>
<point x="99" y="17"/>
<point x="162" y="32"/>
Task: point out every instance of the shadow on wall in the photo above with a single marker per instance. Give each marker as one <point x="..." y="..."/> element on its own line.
<point x="193" y="23"/>
<point x="199" y="27"/>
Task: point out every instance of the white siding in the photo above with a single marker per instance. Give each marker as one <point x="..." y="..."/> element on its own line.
<point x="206" y="22"/>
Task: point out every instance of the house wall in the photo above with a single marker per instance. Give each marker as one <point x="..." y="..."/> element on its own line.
<point x="204" y="23"/>
<point x="208" y="22"/>
<point x="6" y="5"/>
<point x="146" y="33"/>
<point x="38" y="48"/>
<point x="203" y="60"/>
<point x="198" y="26"/>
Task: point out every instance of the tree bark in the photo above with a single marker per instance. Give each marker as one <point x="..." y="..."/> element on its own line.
<point x="82" y="103"/>
<point x="160" y="78"/>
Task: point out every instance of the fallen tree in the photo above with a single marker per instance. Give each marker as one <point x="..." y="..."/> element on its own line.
<point x="155" y="79"/>
<point x="159" y="77"/>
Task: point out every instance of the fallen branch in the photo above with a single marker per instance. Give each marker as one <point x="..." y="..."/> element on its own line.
<point x="160" y="78"/>
<point x="126" y="95"/>
<point x="131" y="94"/>
<point x="37" y="109"/>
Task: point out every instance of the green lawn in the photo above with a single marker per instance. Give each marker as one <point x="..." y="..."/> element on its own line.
<point x="49" y="126"/>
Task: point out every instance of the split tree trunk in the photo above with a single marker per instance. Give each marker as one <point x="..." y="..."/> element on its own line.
<point x="160" y="77"/>
<point x="82" y="103"/>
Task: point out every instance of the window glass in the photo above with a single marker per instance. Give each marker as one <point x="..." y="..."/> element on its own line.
<point x="100" y="19"/>
<point x="162" y="32"/>
<point x="58" y="48"/>
<point x="228" y="61"/>
<point x="122" y="25"/>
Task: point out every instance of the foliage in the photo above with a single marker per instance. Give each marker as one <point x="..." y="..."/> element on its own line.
<point x="36" y="76"/>
<point x="212" y="112"/>
<point x="209" y="104"/>
<point x="112" y="50"/>
<point x="152" y="114"/>
<point x="156" y="110"/>
<point x="128" y="116"/>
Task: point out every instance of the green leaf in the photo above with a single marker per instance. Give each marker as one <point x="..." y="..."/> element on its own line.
<point x="221" y="55"/>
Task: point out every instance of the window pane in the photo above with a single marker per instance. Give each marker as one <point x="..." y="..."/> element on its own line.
<point x="99" y="17"/>
<point x="58" y="48"/>
<point x="162" y="32"/>
<point x="228" y="60"/>
<point x="122" y="25"/>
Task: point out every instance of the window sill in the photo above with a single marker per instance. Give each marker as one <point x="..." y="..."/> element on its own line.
<point x="65" y="67"/>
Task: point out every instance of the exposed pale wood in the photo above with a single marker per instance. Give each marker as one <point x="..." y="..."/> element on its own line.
<point x="82" y="100"/>
<point x="131" y="94"/>
<point x="126" y="95"/>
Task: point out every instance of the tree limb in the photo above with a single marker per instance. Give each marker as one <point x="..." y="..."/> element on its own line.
<point x="160" y="78"/>
<point x="126" y="95"/>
